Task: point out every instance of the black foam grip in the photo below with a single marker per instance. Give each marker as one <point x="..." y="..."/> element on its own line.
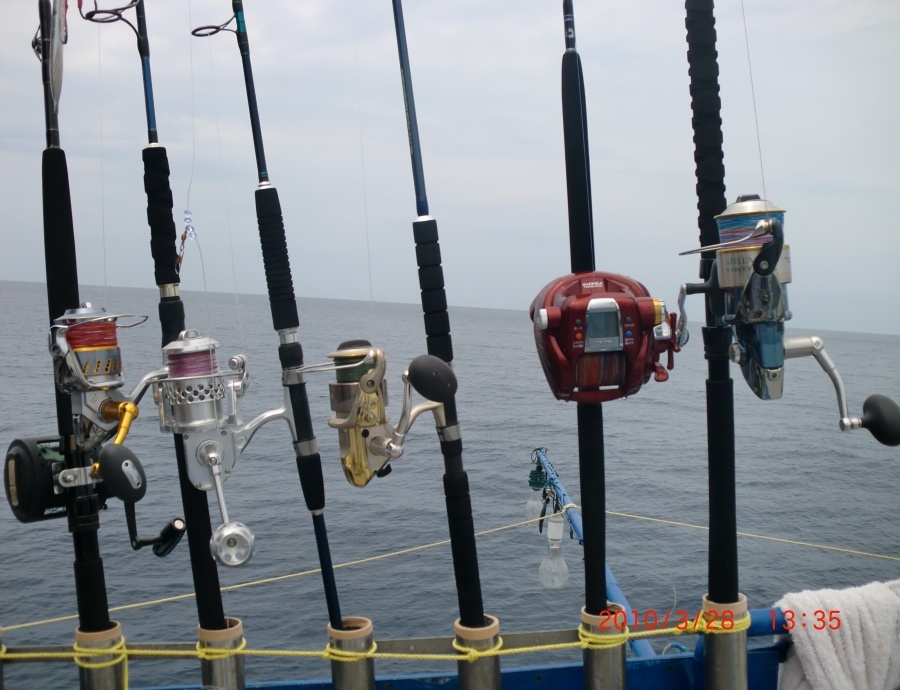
<point x="578" y="165"/>
<point x="59" y="234"/>
<point x="90" y="590"/>
<point x="462" y="545"/>
<point x="275" y="259"/>
<point x="171" y="318"/>
<point x="723" y="551"/>
<point x="437" y="324"/>
<point x="703" y="70"/>
<point x="290" y="355"/>
<point x="440" y="346"/>
<point x="434" y="301"/>
<point x="159" y="215"/>
<point x="431" y="278"/>
<point x="428" y="254"/>
<point x="592" y="474"/>
<point x="310" y="469"/>
<point x="425" y="231"/>
<point x="59" y="256"/>
<point x="300" y="408"/>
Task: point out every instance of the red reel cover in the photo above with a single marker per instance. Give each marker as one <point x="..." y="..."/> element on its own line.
<point x="599" y="336"/>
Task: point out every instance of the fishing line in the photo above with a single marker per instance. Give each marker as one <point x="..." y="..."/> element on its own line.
<point x="753" y="94"/>
<point x="237" y="305"/>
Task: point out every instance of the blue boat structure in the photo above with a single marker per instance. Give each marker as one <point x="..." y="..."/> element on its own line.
<point x="599" y="336"/>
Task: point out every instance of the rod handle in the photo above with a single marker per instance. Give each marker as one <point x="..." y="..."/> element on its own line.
<point x="159" y="215"/>
<point x="275" y="259"/>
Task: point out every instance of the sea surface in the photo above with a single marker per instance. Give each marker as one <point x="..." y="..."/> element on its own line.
<point x="798" y="478"/>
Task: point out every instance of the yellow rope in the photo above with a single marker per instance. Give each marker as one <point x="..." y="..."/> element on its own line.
<point x="586" y="640"/>
<point x="423" y="547"/>
<point x="81" y="656"/>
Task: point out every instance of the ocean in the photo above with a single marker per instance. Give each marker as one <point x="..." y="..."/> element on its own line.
<point x="799" y="478"/>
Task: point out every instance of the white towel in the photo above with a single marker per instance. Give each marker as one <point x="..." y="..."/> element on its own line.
<point x="862" y="654"/>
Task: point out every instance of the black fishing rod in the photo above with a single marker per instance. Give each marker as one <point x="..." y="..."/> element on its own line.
<point x="208" y="595"/>
<point x="708" y="157"/>
<point x="82" y="503"/>
<point x="285" y="321"/>
<point x="591" y="450"/>
<point x="599" y="337"/>
<point x="439" y="344"/>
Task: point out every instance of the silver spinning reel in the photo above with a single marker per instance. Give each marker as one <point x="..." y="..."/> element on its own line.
<point x="199" y="401"/>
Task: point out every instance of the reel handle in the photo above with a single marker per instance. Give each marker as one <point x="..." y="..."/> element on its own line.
<point x="122" y="473"/>
<point x="881" y="416"/>
<point x="432" y="378"/>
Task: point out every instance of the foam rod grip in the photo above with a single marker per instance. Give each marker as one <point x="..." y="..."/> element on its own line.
<point x="159" y="215"/>
<point x="462" y="545"/>
<point x="275" y="259"/>
<point x="59" y="234"/>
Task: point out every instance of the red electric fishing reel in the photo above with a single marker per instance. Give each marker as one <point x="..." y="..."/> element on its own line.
<point x="600" y="336"/>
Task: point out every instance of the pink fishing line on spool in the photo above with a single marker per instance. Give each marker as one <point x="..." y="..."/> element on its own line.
<point x="201" y="363"/>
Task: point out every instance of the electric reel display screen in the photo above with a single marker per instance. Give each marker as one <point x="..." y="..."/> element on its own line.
<point x="604" y="326"/>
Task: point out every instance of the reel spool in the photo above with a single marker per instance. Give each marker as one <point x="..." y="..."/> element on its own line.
<point x="368" y="442"/>
<point x="748" y="291"/>
<point x="600" y="336"/>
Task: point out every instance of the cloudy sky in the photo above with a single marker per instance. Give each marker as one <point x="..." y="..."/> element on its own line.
<point x="487" y="87"/>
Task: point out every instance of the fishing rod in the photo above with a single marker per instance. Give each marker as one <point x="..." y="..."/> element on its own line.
<point x="439" y="344"/>
<point x="599" y="337"/>
<point x="745" y="264"/>
<point x="285" y="321"/>
<point x="73" y="473"/>
<point x="207" y="590"/>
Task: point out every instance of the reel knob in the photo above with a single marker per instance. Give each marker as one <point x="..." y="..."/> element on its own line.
<point x="432" y="378"/>
<point x="122" y="473"/>
<point x="881" y="416"/>
<point x="169" y="537"/>
<point x="232" y="544"/>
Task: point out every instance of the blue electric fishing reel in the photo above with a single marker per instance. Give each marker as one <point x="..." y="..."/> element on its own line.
<point x="748" y="290"/>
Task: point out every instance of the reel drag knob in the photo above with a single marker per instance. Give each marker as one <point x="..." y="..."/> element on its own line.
<point x="232" y="544"/>
<point x="432" y="378"/>
<point x="122" y="473"/>
<point x="881" y="416"/>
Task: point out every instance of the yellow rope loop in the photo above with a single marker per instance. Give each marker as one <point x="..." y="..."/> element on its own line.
<point x="470" y="654"/>
<point x="570" y="505"/>
<point x="219" y="653"/>
<point x="83" y="654"/>
<point x="591" y="640"/>
<point x="346" y="656"/>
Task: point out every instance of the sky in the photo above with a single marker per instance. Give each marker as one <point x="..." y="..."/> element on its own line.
<point x="486" y="79"/>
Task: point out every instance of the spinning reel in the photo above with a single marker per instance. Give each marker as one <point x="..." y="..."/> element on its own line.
<point x="748" y="291"/>
<point x="600" y="336"/>
<point x="368" y="442"/>
<point x="199" y="401"/>
<point x="87" y="366"/>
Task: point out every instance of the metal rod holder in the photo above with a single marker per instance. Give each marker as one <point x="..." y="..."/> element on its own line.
<point x="483" y="673"/>
<point x="226" y="673"/>
<point x="725" y="657"/>
<point x="357" y="637"/>
<point x="604" y="668"/>
<point x="108" y="677"/>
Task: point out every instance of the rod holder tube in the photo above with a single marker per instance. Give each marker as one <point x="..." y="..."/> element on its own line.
<point x="725" y="655"/>
<point x="227" y="671"/>
<point x="356" y="636"/>
<point x="604" y="667"/>
<point x="483" y="673"/>
<point x="108" y="677"/>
